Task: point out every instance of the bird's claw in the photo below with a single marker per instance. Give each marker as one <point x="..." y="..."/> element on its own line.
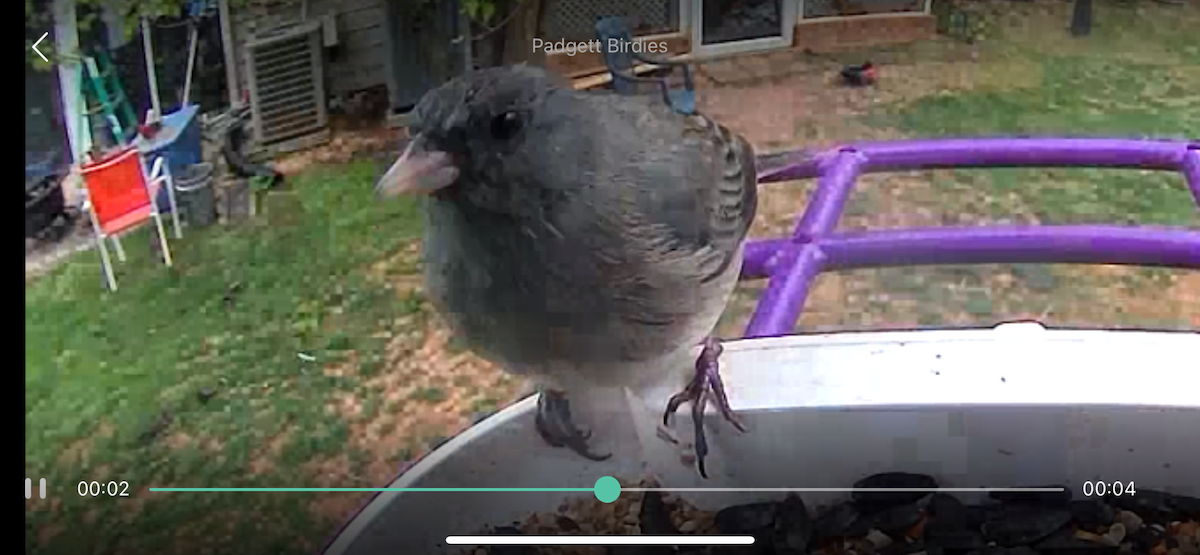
<point x="706" y="382"/>
<point x="554" y="424"/>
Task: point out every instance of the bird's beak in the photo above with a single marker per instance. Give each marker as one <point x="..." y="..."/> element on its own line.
<point x="419" y="171"/>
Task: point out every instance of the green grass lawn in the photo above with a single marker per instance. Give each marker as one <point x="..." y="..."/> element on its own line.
<point x="1084" y="94"/>
<point x="1134" y="77"/>
<point x="115" y="383"/>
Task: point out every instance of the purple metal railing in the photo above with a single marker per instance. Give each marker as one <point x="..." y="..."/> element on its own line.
<point x="790" y="265"/>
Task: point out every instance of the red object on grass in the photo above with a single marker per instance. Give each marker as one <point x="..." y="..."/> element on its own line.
<point x="860" y="75"/>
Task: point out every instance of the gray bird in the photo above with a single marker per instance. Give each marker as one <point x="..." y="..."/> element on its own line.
<point x="579" y="238"/>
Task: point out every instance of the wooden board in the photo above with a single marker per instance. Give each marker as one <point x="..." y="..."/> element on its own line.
<point x="601" y="79"/>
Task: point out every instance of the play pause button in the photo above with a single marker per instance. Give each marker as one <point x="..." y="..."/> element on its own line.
<point x="29" y="488"/>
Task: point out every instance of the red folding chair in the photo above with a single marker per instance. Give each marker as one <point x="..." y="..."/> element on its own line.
<point x="120" y="197"/>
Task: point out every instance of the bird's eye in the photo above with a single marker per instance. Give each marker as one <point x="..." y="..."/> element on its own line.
<point x="505" y="126"/>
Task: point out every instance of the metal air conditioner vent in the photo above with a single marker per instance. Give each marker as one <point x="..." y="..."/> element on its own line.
<point x="285" y="73"/>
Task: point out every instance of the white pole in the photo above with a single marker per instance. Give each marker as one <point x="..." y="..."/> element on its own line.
<point x="151" y="76"/>
<point x="187" y="80"/>
<point x="70" y="79"/>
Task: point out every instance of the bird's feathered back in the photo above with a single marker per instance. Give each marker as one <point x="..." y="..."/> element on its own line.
<point x="594" y="228"/>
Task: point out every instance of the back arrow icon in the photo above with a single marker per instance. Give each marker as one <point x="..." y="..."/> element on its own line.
<point x="39" y="41"/>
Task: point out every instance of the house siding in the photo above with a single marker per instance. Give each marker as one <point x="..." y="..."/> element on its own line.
<point x="356" y="63"/>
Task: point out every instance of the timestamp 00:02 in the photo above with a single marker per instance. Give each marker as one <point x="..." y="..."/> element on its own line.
<point x="102" y="489"/>
<point x="1102" y="488"/>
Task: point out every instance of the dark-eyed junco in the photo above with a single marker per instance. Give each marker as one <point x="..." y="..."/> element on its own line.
<point x="576" y="237"/>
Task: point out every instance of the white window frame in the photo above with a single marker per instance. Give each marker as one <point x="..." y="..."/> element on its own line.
<point x="691" y="12"/>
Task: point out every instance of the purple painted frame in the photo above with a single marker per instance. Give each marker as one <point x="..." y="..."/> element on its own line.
<point x="790" y="265"/>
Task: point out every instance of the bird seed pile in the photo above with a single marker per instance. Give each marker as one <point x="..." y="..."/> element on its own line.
<point x="1010" y="523"/>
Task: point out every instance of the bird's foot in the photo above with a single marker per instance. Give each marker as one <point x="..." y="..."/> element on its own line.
<point x="706" y="382"/>
<point x="556" y="427"/>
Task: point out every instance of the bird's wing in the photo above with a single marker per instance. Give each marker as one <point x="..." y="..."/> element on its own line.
<point x="730" y="196"/>
<point x="670" y="199"/>
<point x="689" y="182"/>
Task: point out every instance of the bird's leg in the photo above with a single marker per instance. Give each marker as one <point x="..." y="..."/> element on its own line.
<point x="705" y="382"/>
<point x="556" y="427"/>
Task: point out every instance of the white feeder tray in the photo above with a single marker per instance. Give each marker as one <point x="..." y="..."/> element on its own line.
<point x="1013" y="406"/>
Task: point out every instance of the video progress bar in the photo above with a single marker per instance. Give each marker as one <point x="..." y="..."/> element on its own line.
<point x="860" y="490"/>
<point x="661" y="490"/>
<point x="599" y="540"/>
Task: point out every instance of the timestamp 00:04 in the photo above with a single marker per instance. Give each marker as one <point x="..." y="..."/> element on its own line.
<point x="102" y="489"/>
<point x="1101" y="488"/>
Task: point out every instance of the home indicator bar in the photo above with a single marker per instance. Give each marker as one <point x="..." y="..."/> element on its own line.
<point x="599" y="540"/>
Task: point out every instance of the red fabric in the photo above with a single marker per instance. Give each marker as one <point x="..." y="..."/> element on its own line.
<point x="115" y="226"/>
<point x="117" y="190"/>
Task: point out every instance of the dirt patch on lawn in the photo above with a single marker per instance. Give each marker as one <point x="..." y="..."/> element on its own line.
<point x="428" y="393"/>
<point x="344" y="146"/>
<point x="1130" y="297"/>
<point x="401" y="271"/>
<point x="1187" y="287"/>
<point x="77" y="453"/>
<point x="262" y="462"/>
<point x="1063" y="296"/>
<point x="782" y="100"/>
<point x="428" y="389"/>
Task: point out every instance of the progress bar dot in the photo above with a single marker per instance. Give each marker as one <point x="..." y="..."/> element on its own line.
<point x="607" y="489"/>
